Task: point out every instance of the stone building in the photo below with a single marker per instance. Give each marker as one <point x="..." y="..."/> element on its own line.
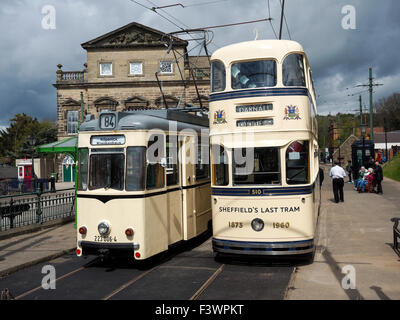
<point x="121" y="74"/>
<point x="344" y="150"/>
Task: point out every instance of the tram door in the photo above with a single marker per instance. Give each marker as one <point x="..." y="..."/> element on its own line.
<point x="188" y="177"/>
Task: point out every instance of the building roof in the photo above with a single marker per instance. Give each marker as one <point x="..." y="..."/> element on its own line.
<point x="392" y="137"/>
<point x="133" y="35"/>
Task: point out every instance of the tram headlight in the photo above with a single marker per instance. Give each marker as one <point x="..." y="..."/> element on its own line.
<point x="257" y="224"/>
<point x="104" y="228"/>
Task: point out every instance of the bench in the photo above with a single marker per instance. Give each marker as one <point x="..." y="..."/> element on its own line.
<point x="396" y="235"/>
<point x="12" y="211"/>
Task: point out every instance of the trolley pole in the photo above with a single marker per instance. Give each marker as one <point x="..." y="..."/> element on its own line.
<point x="280" y="30"/>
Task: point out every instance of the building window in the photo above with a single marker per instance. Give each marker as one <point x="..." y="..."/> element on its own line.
<point x="166" y="67"/>
<point x="72" y="122"/>
<point x="106" y="69"/>
<point x="105" y="104"/>
<point x="136" y="68"/>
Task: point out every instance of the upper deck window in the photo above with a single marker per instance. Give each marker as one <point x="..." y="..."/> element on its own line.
<point x="218" y="76"/>
<point x="254" y="74"/>
<point x="293" y="71"/>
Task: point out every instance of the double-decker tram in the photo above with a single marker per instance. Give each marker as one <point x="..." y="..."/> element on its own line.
<point x="143" y="182"/>
<point x="264" y="149"/>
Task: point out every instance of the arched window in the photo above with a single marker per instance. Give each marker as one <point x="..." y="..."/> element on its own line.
<point x="71" y="109"/>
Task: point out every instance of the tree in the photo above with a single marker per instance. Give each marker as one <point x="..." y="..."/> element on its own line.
<point x="14" y="140"/>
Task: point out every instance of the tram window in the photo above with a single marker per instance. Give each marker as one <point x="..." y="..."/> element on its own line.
<point x="135" y="164"/>
<point x="293" y="71"/>
<point x="218" y="76"/>
<point x="202" y="165"/>
<point x="297" y="163"/>
<point x="155" y="171"/>
<point x="172" y="161"/>
<point x="253" y="74"/>
<point x="106" y="171"/>
<point x="266" y="169"/>
<point x="83" y="169"/>
<point x="220" y="168"/>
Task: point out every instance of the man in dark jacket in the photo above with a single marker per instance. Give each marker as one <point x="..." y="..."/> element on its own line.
<point x="378" y="177"/>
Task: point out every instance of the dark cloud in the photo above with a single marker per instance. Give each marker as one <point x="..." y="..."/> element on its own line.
<point x="339" y="58"/>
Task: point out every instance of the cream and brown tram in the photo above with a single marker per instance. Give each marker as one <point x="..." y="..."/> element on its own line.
<point x="143" y="182"/>
<point x="264" y="149"/>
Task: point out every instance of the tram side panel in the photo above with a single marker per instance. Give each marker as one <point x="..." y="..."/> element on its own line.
<point x="203" y="207"/>
<point x="175" y="216"/>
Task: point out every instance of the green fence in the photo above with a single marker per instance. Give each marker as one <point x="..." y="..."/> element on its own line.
<point x="35" y="208"/>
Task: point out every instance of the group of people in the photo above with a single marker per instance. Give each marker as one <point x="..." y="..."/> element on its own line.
<point x="369" y="178"/>
<point x="366" y="180"/>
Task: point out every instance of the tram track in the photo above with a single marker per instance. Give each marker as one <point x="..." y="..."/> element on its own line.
<point x="129" y="283"/>
<point x="207" y="283"/>
<point x="22" y="295"/>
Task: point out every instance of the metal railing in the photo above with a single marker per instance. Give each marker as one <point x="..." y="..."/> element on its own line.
<point x="17" y="186"/>
<point x="35" y="208"/>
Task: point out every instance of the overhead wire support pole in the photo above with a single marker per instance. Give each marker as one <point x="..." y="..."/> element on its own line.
<point x="280" y="29"/>
<point x="370" y="86"/>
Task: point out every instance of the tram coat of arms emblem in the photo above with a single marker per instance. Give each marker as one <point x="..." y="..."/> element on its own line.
<point x="219" y="117"/>
<point x="292" y="113"/>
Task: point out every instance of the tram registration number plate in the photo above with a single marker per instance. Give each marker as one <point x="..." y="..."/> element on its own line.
<point x="105" y="239"/>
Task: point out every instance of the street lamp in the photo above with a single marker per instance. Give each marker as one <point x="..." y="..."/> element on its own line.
<point x="32" y="141"/>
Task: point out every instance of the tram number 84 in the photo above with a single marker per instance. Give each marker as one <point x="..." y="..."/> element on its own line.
<point x="281" y="225"/>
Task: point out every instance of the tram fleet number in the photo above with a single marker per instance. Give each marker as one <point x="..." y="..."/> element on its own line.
<point x="275" y="225"/>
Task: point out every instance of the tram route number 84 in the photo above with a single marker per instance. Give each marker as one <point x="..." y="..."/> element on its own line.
<point x="107" y="121"/>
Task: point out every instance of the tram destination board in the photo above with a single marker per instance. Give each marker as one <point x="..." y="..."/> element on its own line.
<point x="254" y="108"/>
<point x="255" y="122"/>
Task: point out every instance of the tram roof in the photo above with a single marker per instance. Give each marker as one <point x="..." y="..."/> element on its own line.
<point x="163" y="119"/>
<point x="257" y="49"/>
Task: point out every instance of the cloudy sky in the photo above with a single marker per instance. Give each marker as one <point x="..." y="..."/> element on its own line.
<point x="339" y="57"/>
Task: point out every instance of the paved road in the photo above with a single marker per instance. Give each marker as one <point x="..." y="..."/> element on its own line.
<point x="187" y="273"/>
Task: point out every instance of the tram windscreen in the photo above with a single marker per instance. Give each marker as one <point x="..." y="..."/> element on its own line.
<point x="106" y="171"/>
<point x="254" y="74"/>
<point x="263" y="165"/>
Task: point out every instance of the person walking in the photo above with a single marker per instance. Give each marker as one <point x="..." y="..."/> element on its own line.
<point x="378" y="177"/>
<point x="349" y="169"/>
<point x="337" y="174"/>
